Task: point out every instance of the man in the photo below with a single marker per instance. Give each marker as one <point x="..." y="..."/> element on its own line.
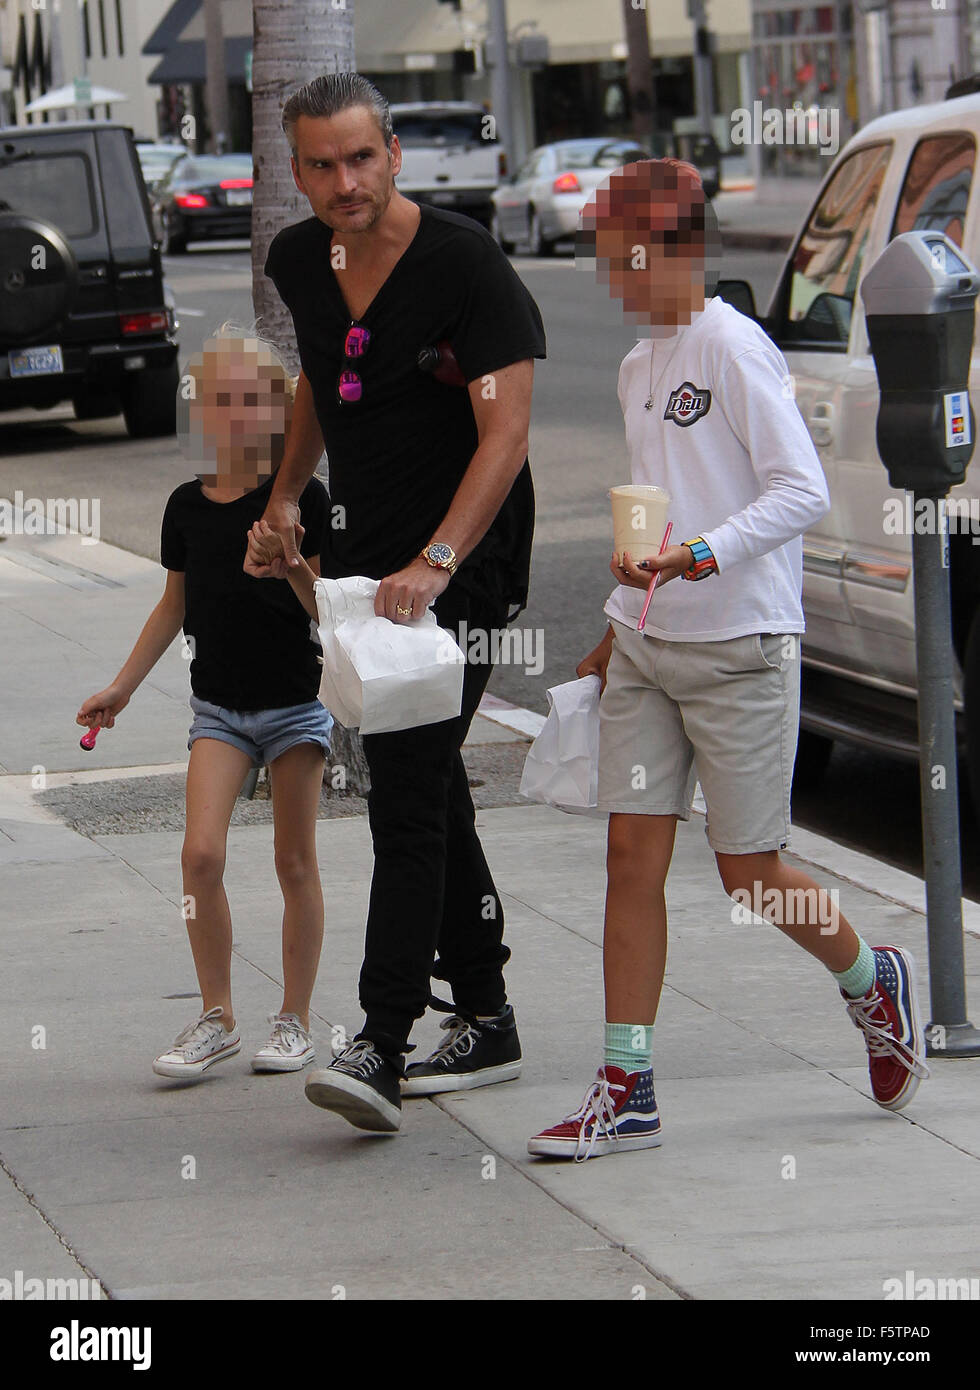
<point x="430" y="493"/>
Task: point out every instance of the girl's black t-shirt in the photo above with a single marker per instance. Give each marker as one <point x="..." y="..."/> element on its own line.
<point x="397" y="455"/>
<point x="249" y="639"/>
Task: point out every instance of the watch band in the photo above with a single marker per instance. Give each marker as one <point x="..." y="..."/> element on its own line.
<point x="450" y="565"/>
<point x="704" y="561"/>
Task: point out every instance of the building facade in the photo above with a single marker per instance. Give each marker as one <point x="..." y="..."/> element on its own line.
<point x="45" y="44"/>
<point x="853" y="60"/>
<point x="421" y="50"/>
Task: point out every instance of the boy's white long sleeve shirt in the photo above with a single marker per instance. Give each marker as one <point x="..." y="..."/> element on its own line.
<point x="727" y="442"/>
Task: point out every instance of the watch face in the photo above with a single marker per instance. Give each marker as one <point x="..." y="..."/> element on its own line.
<point x="440" y="552"/>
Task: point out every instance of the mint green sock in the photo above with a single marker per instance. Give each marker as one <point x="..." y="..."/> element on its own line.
<point x="859" y="978"/>
<point x="629" y="1045"/>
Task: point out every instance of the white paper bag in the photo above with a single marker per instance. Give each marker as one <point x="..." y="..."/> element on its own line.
<point x="562" y="765"/>
<point x="379" y="676"/>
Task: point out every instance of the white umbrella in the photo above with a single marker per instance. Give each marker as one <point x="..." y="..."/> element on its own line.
<point x="65" y="97"/>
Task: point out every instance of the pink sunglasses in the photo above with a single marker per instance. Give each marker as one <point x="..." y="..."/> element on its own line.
<point x="355" y="345"/>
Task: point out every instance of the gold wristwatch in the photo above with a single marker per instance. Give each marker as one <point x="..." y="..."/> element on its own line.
<point x="440" y="556"/>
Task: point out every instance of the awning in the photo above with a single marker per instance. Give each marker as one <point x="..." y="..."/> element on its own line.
<point x="187" y="62"/>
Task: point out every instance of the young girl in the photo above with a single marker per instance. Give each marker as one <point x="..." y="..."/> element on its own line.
<point x="254" y="677"/>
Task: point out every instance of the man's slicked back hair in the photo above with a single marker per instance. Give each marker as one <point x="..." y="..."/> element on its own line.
<point x="333" y="92"/>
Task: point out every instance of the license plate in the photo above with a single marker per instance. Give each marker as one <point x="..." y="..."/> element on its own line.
<point x="36" y="361"/>
<point x="238" y="197"/>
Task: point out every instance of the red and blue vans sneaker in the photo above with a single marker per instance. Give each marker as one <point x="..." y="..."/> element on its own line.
<point x="888" y="1015"/>
<point x="619" y="1113"/>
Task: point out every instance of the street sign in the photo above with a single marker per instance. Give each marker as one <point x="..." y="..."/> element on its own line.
<point x="83" y="91"/>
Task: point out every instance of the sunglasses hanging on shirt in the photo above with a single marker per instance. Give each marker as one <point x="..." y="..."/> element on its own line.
<point x="349" y="386"/>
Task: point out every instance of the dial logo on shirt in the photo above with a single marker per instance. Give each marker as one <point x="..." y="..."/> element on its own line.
<point x="688" y="403"/>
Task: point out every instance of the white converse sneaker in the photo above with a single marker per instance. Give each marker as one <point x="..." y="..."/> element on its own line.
<point x="289" y="1049"/>
<point x="202" y="1042"/>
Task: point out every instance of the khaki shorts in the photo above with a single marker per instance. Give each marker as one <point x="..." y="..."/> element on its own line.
<point x="723" y="713"/>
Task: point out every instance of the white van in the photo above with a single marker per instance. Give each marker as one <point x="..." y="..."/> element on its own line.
<point x="912" y="170"/>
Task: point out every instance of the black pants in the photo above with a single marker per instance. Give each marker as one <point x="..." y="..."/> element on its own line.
<point x="432" y="888"/>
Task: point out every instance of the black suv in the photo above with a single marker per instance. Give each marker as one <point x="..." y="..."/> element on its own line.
<point x="84" y="315"/>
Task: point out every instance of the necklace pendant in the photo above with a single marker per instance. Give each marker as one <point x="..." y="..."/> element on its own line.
<point x="648" y="404"/>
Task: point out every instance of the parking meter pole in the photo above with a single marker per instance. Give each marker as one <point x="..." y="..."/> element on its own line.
<point x="920" y="304"/>
<point x="948" y="1033"/>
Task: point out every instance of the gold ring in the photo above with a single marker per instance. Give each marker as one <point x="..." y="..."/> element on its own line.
<point x="406" y="612"/>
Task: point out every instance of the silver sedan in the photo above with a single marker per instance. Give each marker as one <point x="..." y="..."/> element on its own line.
<point x="541" y="203"/>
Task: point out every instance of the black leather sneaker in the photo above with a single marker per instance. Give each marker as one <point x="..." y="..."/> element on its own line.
<point x="361" y="1085"/>
<point x="474" y="1054"/>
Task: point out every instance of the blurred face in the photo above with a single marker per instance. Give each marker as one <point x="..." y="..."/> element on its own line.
<point x="240" y="415"/>
<point x="342" y="167"/>
<point x="643" y="252"/>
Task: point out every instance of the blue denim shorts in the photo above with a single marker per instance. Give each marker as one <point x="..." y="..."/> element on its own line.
<point x="263" y="734"/>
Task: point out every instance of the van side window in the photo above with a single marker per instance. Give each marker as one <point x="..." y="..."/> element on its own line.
<point x="937" y="186"/>
<point x="826" y="265"/>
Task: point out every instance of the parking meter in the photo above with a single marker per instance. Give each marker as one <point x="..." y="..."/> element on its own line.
<point x="919" y="299"/>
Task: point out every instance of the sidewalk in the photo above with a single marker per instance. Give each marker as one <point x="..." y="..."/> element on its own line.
<point x="778" y="1178"/>
<point x="767" y="218"/>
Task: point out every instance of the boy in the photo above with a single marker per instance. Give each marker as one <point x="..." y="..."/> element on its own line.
<point x="713" y="679"/>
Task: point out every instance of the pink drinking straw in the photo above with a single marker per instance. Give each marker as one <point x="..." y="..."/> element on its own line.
<point x="655" y="580"/>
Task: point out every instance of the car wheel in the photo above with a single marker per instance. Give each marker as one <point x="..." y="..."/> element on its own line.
<point x="812" y="756"/>
<point x="971" y="701"/>
<point x="506" y="246"/>
<point x="174" y="243"/>
<point x="96" y="405"/>
<point x="536" y="243"/>
<point x="150" y="402"/>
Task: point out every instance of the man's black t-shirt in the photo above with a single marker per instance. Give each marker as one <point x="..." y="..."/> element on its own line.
<point x="250" y="638"/>
<point x="397" y="456"/>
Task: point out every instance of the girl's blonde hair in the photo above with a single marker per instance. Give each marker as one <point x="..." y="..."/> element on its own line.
<point x="232" y="337"/>
<point x="230" y="341"/>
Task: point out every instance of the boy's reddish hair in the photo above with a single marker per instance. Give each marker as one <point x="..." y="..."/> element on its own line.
<point x="661" y="198"/>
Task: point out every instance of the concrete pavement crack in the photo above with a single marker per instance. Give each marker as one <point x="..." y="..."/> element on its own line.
<point x="611" y="1242"/>
<point x="60" y="1237"/>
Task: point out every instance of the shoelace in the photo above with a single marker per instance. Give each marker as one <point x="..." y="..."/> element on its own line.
<point x="360" y="1058"/>
<point x="881" y="1040"/>
<point x="598" y="1105"/>
<point x="462" y="1039"/>
<point x="286" y="1033"/>
<point x="201" y="1030"/>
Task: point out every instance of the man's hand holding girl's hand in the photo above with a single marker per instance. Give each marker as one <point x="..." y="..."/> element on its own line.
<point x="674" y="561"/>
<point x="265" y="557"/>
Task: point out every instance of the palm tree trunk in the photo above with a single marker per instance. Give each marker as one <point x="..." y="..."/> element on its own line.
<point x="293" y="42"/>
